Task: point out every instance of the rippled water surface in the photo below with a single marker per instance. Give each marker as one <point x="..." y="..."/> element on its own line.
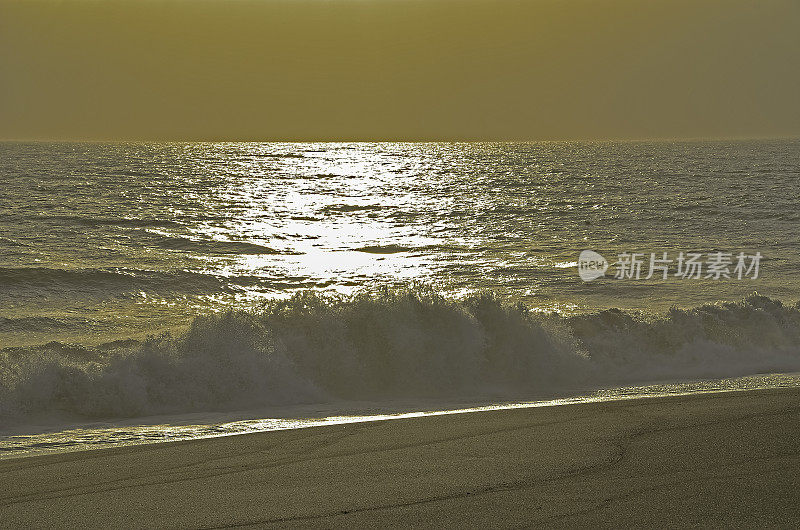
<point x="450" y="272"/>
<point x="109" y="241"/>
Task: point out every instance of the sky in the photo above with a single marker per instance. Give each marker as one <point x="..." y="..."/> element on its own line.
<point x="398" y="69"/>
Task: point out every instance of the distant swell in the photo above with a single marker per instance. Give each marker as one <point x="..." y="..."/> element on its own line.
<point x="112" y="279"/>
<point x="122" y="221"/>
<point x="71" y="283"/>
<point x="212" y="247"/>
<point x="346" y="208"/>
<point x="385" y="249"/>
<point x="32" y="323"/>
<point x="392" y="345"/>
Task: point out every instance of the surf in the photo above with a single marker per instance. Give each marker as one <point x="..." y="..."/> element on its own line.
<point x="392" y="345"/>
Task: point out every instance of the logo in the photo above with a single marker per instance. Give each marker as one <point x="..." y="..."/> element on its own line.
<point x="591" y="265"/>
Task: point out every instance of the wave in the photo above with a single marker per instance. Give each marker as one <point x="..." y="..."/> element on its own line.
<point x="385" y="249"/>
<point x="346" y="208"/>
<point x="211" y="246"/>
<point x="394" y="248"/>
<point x="120" y="281"/>
<point x="122" y="221"/>
<point x="33" y="323"/>
<point x="304" y="218"/>
<point x="389" y="345"/>
<point x="255" y="156"/>
<point x="12" y="279"/>
<point x="12" y="242"/>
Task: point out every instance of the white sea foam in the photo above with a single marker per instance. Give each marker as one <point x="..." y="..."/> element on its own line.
<point x="390" y="346"/>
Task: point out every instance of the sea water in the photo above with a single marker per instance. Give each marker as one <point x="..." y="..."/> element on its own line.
<point x="142" y="280"/>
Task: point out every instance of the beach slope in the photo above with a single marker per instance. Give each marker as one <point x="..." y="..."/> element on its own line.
<point x="728" y="459"/>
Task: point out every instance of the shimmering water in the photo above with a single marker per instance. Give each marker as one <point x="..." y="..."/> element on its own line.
<point x="109" y="241"/>
<point x="450" y="273"/>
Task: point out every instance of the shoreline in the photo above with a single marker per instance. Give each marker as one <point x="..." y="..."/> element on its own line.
<point x="109" y="433"/>
<point x="698" y="458"/>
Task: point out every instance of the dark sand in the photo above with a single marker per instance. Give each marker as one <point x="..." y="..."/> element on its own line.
<point x="711" y="460"/>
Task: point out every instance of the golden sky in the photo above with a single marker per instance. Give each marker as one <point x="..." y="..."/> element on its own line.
<point x="398" y="69"/>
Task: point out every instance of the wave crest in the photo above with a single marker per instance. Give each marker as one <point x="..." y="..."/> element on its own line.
<point x="412" y="343"/>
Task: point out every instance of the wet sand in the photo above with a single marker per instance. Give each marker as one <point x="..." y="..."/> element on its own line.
<point x="727" y="459"/>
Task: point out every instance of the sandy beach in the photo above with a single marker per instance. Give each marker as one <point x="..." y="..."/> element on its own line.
<point x="728" y="459"/>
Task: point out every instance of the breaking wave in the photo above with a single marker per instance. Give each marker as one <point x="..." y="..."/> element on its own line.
<point x="387" y="345"/>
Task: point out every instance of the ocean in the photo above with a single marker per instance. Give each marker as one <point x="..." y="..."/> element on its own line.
<point x="154" y="280"/>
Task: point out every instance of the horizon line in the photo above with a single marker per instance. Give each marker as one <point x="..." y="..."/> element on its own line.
<point x="621" y="139"/>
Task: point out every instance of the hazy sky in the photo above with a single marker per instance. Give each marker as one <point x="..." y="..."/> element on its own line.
<point x="398" y="69"/>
